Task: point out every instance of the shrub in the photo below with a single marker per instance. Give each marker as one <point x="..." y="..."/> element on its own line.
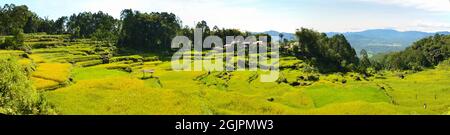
<point x="9" y="41"/>
<point x="282" y="79"/>
<point x="15" y="42"/>
<point x="105" y="58"/>
<point x="17" y="96"/>
<point x="219" y="79"/>
<point x="147" y="59"/>
<point x="128" y="69"/>
<point x="25" y="55"/>
<point x="2" y="40"/>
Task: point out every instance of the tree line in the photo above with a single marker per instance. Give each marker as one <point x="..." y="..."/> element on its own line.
<point x="138" y="31"/>
<point x="333" y="54"/>
<point x="19" y="18"/>
<point x="133" y="31"/>
<point x="425" y="53"/>
<point x="154" y="31"/>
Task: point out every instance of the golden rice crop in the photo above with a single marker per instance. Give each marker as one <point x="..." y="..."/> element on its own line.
<point x="37" y="58"/>
<point x="40" y="83"/>
<point x="127" y="96"/>
<point x="53" y="71"/>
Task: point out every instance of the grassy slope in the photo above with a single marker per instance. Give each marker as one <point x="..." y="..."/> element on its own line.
<point x="106" y="89"/>
<point x="103" y="91"/>
<point x="430" y="88"/>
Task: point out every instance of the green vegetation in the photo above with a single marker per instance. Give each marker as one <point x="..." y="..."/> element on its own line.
<point x="13" y="18"/>
<point x="148" y="31"/>
<point x="14" y="42"/>
<point x="17" y="94"/>
<point x="424" y="53"/>
<point x="119" y="87"/>
<point x="328" y="54"/>
<point x="95" y="66"/>
<point x="100" y="26"/>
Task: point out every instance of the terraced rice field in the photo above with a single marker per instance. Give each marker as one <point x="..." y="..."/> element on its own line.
<point x="76" y="80"/>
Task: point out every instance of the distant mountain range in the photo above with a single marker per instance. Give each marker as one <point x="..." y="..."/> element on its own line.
<point x="275" y="35"/>
<point x="375" y="40"/>
<point x="384" y="40"/>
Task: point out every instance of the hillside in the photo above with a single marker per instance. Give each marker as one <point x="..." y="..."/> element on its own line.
<point x="93" y="63"/>
<point x="374" y="40"/>
<point x="384" y="40"/>
<point x="75" y="80"/>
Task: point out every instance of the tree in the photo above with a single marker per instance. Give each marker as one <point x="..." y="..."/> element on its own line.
<point x="17" y="95"/>
<point x="15" y="42"/>
<point x="281" y="35"/>
<point x="309" y="42"/>
<point x="333" y="54"/>
<point x="13" y="17"/>
<point x="188" y="32"/>
<point x="202" y="24"/>
<point x="269" y="38"/>
<point x="340" y="51"/>
<point x="36" y="24"/>
<point x="424" y="53"/>
<point x="215" y="30"/>
<point x="59" y="25"/>
<point x="105" y="36"/>
<point x="32" y="24"/>
<point x="46" y="25"/>
<point x="365" y="62"/>
<point x="148" y="31"/>
<point x="85" y="24"/>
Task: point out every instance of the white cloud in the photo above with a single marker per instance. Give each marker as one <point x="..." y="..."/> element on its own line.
<point x="428" y="26"/>
<point x="428" y="5"/>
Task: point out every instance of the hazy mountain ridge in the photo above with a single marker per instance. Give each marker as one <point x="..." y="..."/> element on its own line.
<point x="374" y="40"/>
<point x="276" y="35"/>
<point x="384" y="40"/>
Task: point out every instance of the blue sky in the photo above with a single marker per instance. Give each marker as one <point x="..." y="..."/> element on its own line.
<point x="281" y="15"/>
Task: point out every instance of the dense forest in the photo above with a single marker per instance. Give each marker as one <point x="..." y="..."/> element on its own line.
<point x="328" y="54"/>
<point x="425" y="53"/>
